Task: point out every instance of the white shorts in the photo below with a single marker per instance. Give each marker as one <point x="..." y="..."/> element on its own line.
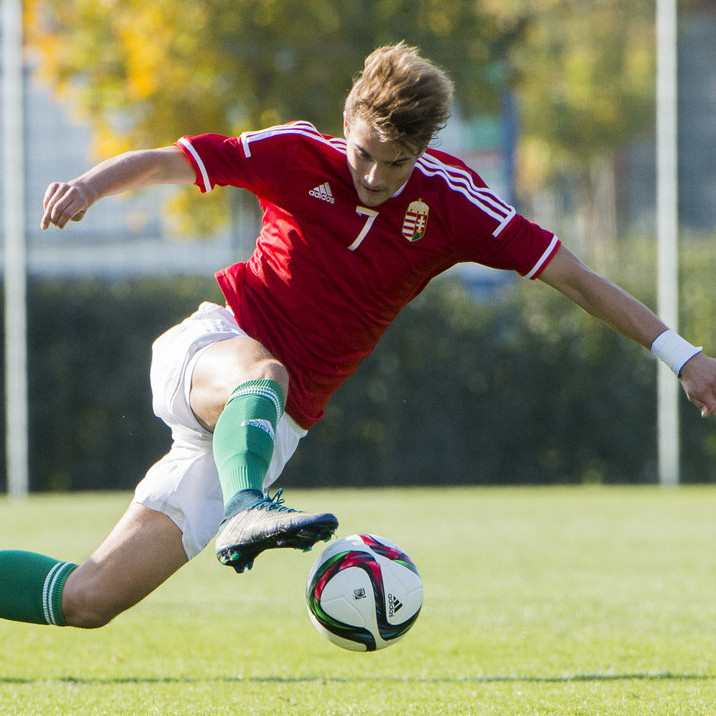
<point x="184" y="484"/>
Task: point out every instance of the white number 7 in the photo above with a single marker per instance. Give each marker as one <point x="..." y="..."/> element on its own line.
<point x="370" y="215"/>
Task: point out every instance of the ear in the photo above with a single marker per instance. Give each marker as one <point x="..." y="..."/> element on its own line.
<point x="346" y="127"/>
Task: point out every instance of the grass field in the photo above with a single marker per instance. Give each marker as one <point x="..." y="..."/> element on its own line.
<point x="537" y="601"/>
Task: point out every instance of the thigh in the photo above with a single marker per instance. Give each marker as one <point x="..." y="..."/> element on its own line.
<point x="184" y="485"/>
<point x="141" y="552"/>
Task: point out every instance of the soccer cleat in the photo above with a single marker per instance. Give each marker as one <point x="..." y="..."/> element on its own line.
<point x="269" y="524"/>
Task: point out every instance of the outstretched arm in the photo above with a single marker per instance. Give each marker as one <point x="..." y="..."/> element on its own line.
<point x="631" y="318"/>
<point x="69" y="201"/>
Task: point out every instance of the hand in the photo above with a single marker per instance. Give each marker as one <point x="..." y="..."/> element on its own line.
<point x="698" y="378"/>
<point x="64" y="202"/>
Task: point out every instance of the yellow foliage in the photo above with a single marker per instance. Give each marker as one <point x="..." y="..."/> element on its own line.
<point x="190" y="213"/>
<point x="145" y="72"/>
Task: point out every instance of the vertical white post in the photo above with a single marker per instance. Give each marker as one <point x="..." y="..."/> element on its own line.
<point x="667" y="231"/>
<point x="16" y="418"/>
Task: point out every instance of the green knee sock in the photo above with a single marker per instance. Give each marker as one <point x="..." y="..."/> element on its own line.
<point x="31" y="587"/>
<point x="244" y="440"/>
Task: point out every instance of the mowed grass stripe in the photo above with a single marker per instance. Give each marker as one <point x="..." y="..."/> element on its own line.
<point x="537" y="601"/>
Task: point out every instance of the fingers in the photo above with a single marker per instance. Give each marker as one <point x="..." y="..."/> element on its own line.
<point x="698" y="378"/>
<point x="62" y="203"/>
<point x="701" y="405"/>
<point x="703" y="409"/>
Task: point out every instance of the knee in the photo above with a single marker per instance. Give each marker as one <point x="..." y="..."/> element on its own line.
<point x="225" y="382"/>
<point x="265" y="368"/>
<point x="230" y="362"/>
<point x="226" y="365"/>
<point x="272" y="369"/>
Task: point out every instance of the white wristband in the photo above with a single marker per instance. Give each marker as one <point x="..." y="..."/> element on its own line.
<point x="673" y="350"/>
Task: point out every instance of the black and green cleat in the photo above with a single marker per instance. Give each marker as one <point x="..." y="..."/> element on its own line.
<point x="269" y="524"/>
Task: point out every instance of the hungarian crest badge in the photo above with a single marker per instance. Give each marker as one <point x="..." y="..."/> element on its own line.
<point x="416" y="220"/>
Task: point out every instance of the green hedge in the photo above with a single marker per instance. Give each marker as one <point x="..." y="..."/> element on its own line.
<point x="522" y="389"/>
<point x="89" y="345"/>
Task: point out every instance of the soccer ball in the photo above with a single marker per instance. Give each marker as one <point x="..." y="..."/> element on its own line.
<point x="363" y="593"/>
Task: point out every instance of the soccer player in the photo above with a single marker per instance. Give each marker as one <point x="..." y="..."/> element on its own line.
<point x="353" y="229"/>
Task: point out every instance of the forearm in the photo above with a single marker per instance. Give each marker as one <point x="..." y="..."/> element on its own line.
<point x="134" y="170"/>
<point x="619" y="310"/>
<point x="633" y="319"/>
<point x="604" y="300"/>
<point x="68" y="201"/>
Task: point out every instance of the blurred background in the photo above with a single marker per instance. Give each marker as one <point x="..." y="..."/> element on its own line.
<point x="485" y="378"/>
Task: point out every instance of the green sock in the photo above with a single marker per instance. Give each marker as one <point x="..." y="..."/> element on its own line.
<point x="244" y="440"/>
<point x="31" y="587"/>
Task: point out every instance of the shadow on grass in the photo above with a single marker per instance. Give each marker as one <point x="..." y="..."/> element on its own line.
<point x="478" y="679"/>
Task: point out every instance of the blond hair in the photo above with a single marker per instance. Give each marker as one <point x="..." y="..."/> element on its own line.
<point x="401" y="95"/>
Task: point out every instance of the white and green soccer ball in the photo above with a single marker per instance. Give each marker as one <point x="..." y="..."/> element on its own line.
<point x="364" y="593"/>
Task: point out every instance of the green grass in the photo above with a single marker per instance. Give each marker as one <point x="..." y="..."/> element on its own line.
<point x="537" y="601"/>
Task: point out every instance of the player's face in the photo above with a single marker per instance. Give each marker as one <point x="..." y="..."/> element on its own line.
<point x="378" y="168"/>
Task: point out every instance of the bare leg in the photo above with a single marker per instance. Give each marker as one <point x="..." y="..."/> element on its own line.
<point x="222" y="367"/>
<point x="238" y="391"/>
<point x="141" y="552"/>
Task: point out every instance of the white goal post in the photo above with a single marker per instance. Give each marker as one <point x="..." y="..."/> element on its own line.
<point x="14" y="252"/>
<point x="667" y="196"/>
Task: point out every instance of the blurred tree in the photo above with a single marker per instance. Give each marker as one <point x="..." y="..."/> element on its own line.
<point x="588" y="80"/>
<point x="145" y="72"/>
<point x="586" y="89"/>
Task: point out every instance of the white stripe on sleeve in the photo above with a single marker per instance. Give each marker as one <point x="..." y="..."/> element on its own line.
<point x="538" y="266"/>
<point x="204" y="174"/>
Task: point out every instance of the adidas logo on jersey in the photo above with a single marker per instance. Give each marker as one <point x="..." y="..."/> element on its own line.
<point x="323" y="192"/>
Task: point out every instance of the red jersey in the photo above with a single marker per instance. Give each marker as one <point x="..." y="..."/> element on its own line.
<point x="328" y="275"/>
